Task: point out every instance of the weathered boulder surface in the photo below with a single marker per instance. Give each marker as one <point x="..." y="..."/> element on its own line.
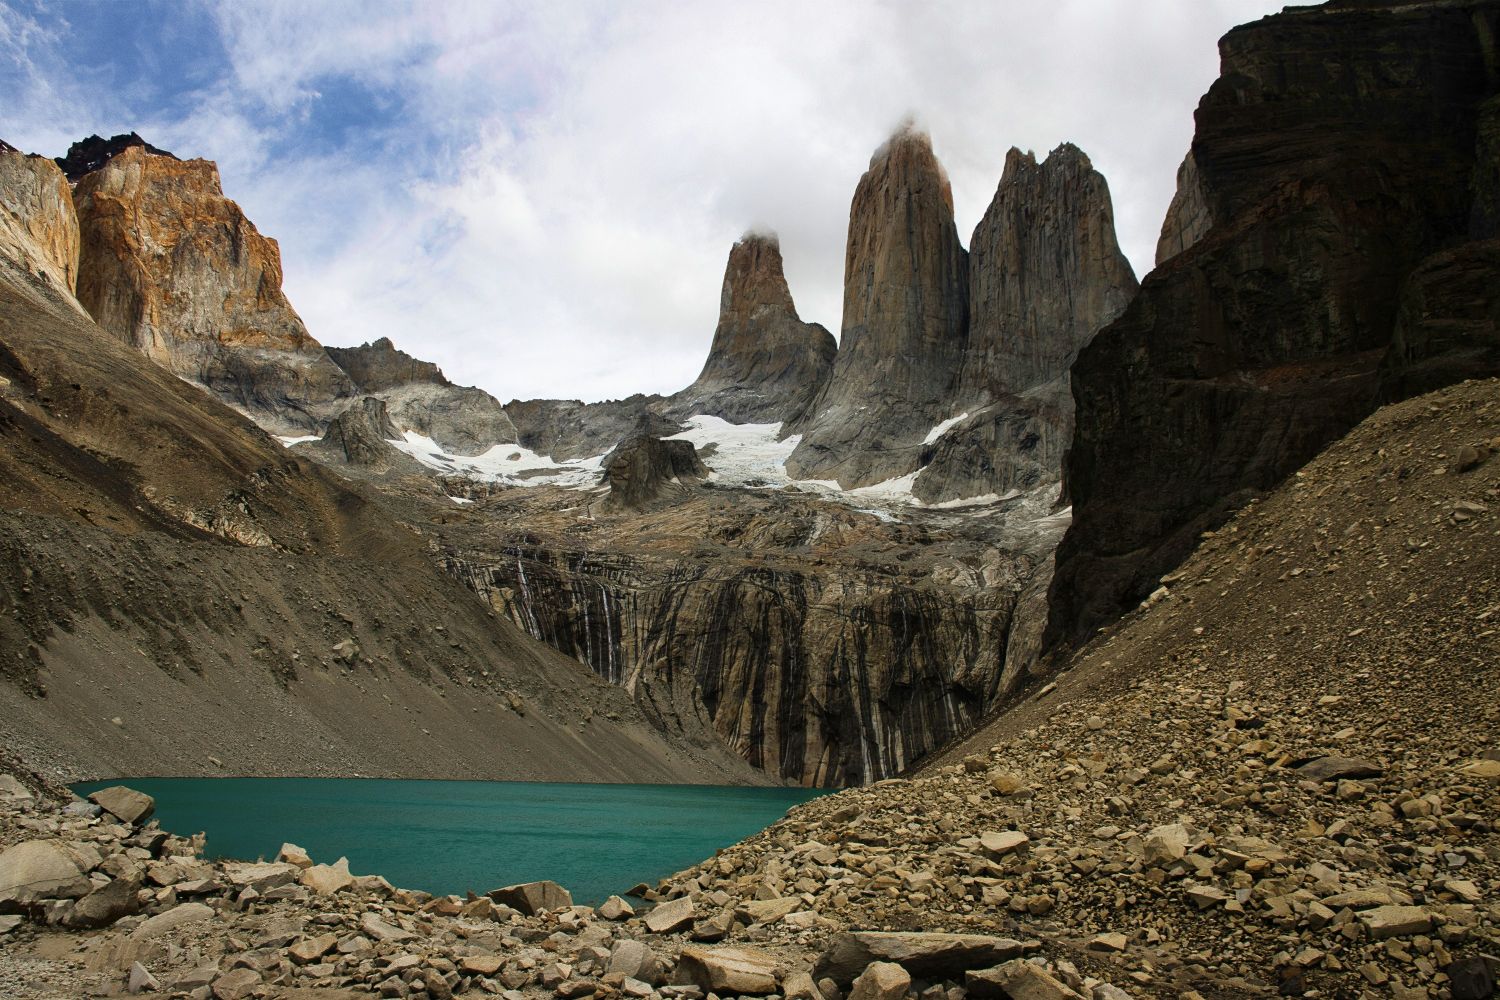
<point x="765" y="364"/>
<point x="38" y="869"/>
<point x="128" y="804"/>
<point x="642" y="468"/>
<point x="420" y="398"/>
<point x="1338" y="158"/>
<point x="932" y="956"/>
<point x="38" y="227"/>
<point x="904" y="324"/>
<point x="171" y="266"/>
<point x="532" y="898"/>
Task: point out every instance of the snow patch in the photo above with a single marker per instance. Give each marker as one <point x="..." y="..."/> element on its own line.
<point x="742" y="454"/>
<point x="509" y="464"/>
<point x="287" y="442"/>
<point x="944" y="427"/>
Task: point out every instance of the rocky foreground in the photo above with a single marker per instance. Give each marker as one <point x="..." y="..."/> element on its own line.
<point x="1281" y="776"/>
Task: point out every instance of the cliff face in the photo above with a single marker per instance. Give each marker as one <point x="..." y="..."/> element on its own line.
<point x="171" y="266"/>
<point x="38" y="227"/>
<point x="1336" y="159"/>
<point x="765" y="364"/>
<point x="643" y="468"/>
<point x="818" y="642"/>
<point x="419" y="397"/>
<point x="904" y="324"/>
<point x="1045" y="275"/>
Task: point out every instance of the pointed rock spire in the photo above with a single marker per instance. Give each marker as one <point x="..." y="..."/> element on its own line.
<point x="765" y="363"/>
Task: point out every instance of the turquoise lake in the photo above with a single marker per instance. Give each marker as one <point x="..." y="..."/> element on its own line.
<point x="452" y="836"/>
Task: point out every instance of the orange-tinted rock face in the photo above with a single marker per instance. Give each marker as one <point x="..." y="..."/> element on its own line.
<point x="170" y="265"/>
<point x="38" y="227"/>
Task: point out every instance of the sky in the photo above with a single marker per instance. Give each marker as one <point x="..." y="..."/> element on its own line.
<point x="540" y="197"/>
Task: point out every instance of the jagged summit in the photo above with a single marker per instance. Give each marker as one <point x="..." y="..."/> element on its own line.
<point x="87" y="155"/>
<point x="379" y="364"/>
<point x="765" y="364"/>
<point x="904" y="322"/>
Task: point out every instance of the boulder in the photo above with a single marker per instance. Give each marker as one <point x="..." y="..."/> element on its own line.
<point x="767" y="911"/>
<point x="531" y="898"/>
<point x="140" y="980"/>
<point x="128" y="804"/>
<point x="37" y="870"/>
<point x="635" y="960"/>
<point x="326" y="880"/>
<point x="178" y="916"/>
<point x="106" y="904"/>
<point x="376" y="929"/>
<point x="999" y="844"/>
<point x="881" y="981"/>
<point x="291" y="854"/>
<point x="1396" y="921"/>
<point x="741" y="971"/>
<point x="309" y="950"/>
<point x="236" y="984"/>
<point x="615" y="908"/>
<point x="672" y="915"/>
<point x="1017" y="980"/>
<point x="927" y="956"/>
<point x="261" y="876"/>
<point x="1335" y="768"/>
<point x="1166" y="844"/>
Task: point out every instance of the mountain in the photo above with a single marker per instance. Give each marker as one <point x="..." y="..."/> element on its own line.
<point x="764" y="364"/>
<point x="38" y="226"/>
<point x="1338" y="249"/>
<point x="173" y="268"/>
<point x="418" y="397"/>
<point x="904" y="324"/>
<point x="180" y="595"/>
<point x="1045" y="275"/>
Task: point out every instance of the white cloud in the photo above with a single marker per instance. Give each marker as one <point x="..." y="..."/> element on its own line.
<point x="550" y="213"/>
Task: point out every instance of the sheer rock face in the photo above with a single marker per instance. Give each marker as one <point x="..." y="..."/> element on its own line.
<point x="1187" y="217"/>
<point x="820" y="643"/>
<point x="462" y="419"/>
<point x="644" y="467"/>
<point x="1045" y="275"/>
<point x="171" y="266"/>
<point x="904" y="324"/>
<point x="567" y="429"/>
<point x="1336" y="156"/>
<point x="38" y="227"/>
<point x="765" y="364"/>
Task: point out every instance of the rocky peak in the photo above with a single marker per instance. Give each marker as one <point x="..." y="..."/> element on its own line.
<point x="904" y="323"/>
<point x="380" y="365"/>
<point x="1045" y="273"/>
<point x="753" y="280"/>
<point x="765" y="364"/>
<point x="170" y="265"/>
<point x="87" y="155"/>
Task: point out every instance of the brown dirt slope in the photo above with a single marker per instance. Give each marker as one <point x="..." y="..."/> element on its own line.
<point x="169" y="566"/>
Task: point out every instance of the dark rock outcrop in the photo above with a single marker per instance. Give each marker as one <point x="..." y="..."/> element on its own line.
<point x="1045" y="274"/>
<point x="1341" y="158"/>
<point x="362" y="435"/>
<point x="904" y="324"/>
<point x="765" y="364"/>
<point x="171" y="266"/>
<point x="419" y="397"/>
<point x="87" y="155"/>
<point x="644" y="467"/>
<point x="567" y="429"/>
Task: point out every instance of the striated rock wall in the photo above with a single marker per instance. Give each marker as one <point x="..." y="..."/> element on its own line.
<point x="38" y="227"/>
<point x="904" y="324"/>
<point x="820" y="643"/>
<point x="1045" y="274"/>
<point x="765" y="364"/>
<point x="171" y="266"/>
<point x="1336" y="156"/>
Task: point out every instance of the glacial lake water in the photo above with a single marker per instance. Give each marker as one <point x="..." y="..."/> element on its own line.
<point x="452" y="836"/>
